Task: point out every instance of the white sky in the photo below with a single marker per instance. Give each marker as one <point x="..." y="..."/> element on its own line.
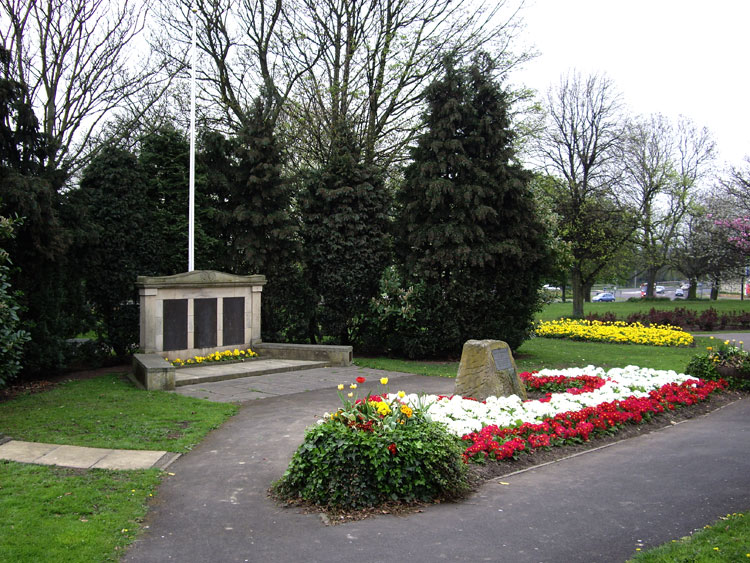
<point x="689" y="57"/>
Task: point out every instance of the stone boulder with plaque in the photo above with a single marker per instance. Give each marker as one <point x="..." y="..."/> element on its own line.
<point x="487" y="369"/>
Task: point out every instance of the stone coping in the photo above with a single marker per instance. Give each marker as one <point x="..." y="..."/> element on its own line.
<point x="200" y="278"/>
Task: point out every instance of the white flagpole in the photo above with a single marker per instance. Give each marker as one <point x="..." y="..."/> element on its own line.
<point x="191" y="213"/>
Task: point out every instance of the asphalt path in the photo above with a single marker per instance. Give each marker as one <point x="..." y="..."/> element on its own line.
<point x="598" y="506"/>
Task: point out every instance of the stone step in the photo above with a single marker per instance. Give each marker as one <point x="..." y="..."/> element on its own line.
<point x="221" y="372"/>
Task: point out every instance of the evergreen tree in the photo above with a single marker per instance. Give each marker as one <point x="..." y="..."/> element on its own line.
<point x="30" y="192"/>
<point x="252" y="218"/>
<point x="119" y="242"/>
<point x="469" y="234"/>
<point x="346" y="242"/>
<point x="164" y="158"/>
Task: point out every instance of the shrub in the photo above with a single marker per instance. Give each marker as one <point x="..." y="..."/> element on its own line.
<point x="345" y="467"/>
<point x="725" y="360"/>
<point x="684" y="318"/>
<point x="12" y="338"/>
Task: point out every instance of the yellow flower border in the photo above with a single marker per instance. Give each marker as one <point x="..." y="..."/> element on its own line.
<point x="225" y="356"/>
<point x="617" y="332"/>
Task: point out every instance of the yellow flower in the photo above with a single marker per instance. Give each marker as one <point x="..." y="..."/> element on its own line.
<point x="341" y="386"/>
<point x="401" y="394"/>
<point x="353" y="386"/>
<point x="407" y="411"/>
<point x="350" y="395"/>
<point x="384" y="380"/>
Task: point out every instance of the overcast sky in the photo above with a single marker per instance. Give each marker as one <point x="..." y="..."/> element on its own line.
<point x="689" y="57"/>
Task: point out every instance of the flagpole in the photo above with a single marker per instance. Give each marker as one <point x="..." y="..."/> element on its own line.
<point x="191" y="212"/>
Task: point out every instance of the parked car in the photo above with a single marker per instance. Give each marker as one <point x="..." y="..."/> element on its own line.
<point x="659" y="289"/>
<point x="549" y="287"/>
<point x="604" y="296"/>
<point x="679" y="292"/>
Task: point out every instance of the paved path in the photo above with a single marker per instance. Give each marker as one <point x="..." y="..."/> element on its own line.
<point x="273" y="385"/>
<point x="599" y="506"/>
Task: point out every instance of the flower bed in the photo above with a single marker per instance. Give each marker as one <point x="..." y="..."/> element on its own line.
<point x="399" y="447"/>
<point x="227" y="356"/>
<point x="615" y="331"/>
<point x="584" y="402"/>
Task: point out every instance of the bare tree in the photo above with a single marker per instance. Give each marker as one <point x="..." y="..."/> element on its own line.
<point x="736" y="185"/>
<point x="80" y="61"/>
<point x="332" y="63"/>
<point x="580" y="147"/>
<point x="247" y="48"/>
<point x="380" y="55"/>
<point x="663" y="166"/>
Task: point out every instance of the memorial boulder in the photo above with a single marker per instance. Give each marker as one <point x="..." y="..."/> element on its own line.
<point x="487" y="369"/>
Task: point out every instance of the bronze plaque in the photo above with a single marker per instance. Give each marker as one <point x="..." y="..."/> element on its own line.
<point x="234" y="320"/>
<point x="175" y="324"/>
<point x="502" y="359"/>
<point x="204" y="319"/>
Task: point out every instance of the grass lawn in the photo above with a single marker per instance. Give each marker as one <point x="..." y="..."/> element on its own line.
<point x="726" y="540"/>
<point x="624" y="308"/>
<point x="110" y="412"/>
<point x="58" y="514"/>
<point x="539" y="353"/>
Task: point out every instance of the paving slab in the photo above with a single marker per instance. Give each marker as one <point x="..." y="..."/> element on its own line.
<point x="219" y="372"/>
<point x="129" y="459"/>
<point x="73" y="456"/>
<point x="83" y="457"/>
<point x="25" y="452"/>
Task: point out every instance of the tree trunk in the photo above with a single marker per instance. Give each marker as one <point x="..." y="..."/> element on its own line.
<point x="577" y="293"/>
<point x="715" y="290"/>
<point x="651" y="280"/>
<point x="693" y="288"/>
<point x="587" y="292"/>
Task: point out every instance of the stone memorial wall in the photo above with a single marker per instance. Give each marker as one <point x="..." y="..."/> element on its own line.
<point x="196" y="313"/>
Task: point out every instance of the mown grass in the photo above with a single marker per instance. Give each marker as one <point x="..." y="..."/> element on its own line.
<point x="555" y="353"/>
<point x="58" y="514"/>
<point x="724" y="541"/>
<point x="623" y="309"/>
<point x="110" y="412"/>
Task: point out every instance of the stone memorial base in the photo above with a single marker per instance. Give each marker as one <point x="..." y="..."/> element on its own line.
<point x="199" y="312"/>
<point x="487" y="369"/>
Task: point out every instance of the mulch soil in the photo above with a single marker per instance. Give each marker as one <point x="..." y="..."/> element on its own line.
<point x="42" y="385"/>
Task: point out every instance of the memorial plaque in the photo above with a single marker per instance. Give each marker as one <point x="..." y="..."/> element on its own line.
<point x="502" y="359"/>
<point x="234" y="321"/>
<point x="175" y="324"/>
<point x="204" y="323"/>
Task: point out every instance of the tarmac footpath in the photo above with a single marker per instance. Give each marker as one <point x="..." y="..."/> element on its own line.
<point x="598" y="506"/>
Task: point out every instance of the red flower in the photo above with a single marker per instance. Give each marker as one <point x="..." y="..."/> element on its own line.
<point x="392" y="448"/>
<point x="361" y="379"/>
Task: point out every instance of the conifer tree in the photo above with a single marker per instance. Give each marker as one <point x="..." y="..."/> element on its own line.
<point x="469" y="234"/>
<point x="120" y="242"/>
<point x="345" y="231"/>
<point x="29" y="190"/>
